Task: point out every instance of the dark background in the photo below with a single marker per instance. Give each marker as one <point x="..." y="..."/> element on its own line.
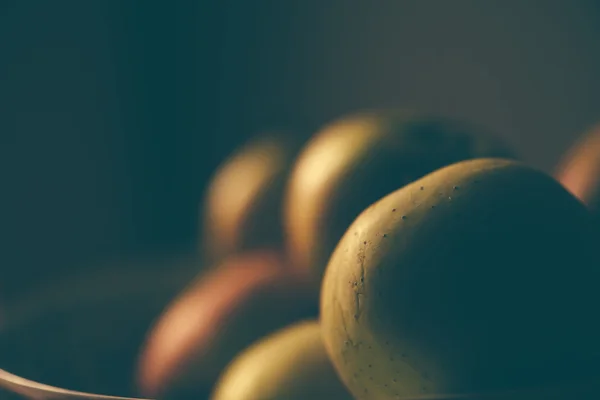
<point x="113" y="114"/>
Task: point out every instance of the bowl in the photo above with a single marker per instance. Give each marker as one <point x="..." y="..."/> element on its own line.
<point x="84" y="333"/>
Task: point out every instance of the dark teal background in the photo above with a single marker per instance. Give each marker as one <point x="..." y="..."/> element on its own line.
<point x="113" y="114"/>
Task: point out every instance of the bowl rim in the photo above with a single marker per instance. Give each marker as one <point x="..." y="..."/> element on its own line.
<point x="87" y="288"/>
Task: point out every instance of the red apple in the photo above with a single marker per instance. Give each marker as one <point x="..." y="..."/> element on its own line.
<point x="241" y="300"/>
<point x="579" y="170"/>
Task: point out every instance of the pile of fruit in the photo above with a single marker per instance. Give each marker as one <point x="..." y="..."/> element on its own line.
<point x="395" y="255"/>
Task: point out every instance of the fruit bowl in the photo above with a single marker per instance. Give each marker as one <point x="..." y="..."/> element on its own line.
<point x="84" y="333"/>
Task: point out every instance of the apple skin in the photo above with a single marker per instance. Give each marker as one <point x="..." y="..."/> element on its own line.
<point x="478" y="278"/>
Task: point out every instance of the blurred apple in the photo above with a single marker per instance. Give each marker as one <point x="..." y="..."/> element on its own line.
<point x="356" y="160"/>
<point x="579" y="169"/>
<point x="290" y="364"/>
<point x="242" y="209"/>
<point x="241" y="300"/>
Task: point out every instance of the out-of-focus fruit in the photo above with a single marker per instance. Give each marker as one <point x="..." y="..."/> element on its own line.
<point x="84" y="332"/>
<point x="476" y="277"/>
<point x="355" y="161"/>
<point x="579" y="170"/>
<point x="290" y="364"/>
<point x="242" y="210"/>
<point x="224" y="311"/>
